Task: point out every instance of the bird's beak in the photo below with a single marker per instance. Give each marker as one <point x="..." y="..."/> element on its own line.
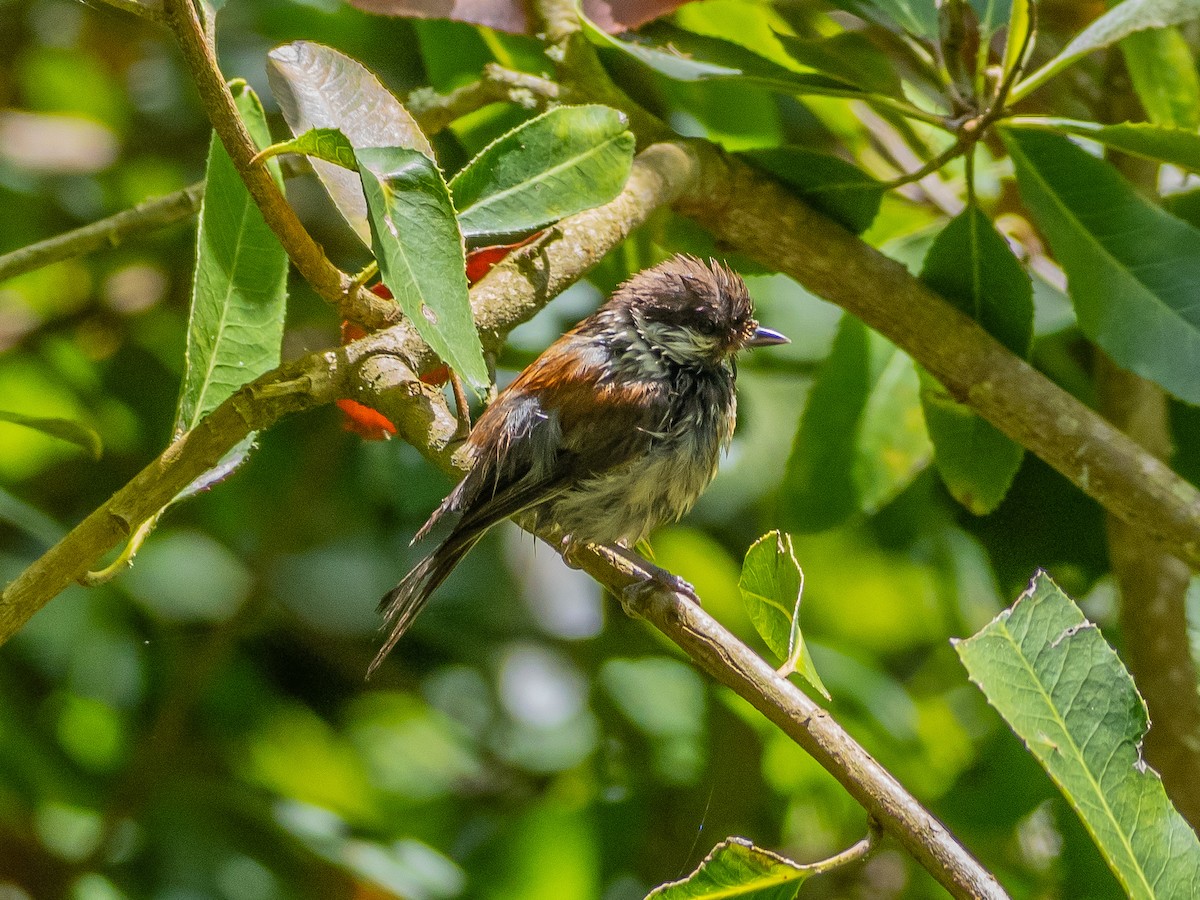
<point x="765" y="337"/>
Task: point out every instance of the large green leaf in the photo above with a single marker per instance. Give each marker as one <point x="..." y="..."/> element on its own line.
<point x="319" y="87"/>
<point x="64" y="429"/>
<point x="420" y="252"/>
<point x="1062" y="689"/>
<point x="1163" y="72"/>
<point x="1162" y="143"/>
<point x="1131" y="267"/>
<point x="1122" y="20"/>
<point x="566" y="160"/>
<point x="239" y="291"/>
<point x="685" y="56"/>
<point x="837" y="188"/>
<point x="737" y="868"/>
<point x="970" y="264"/>
<point x="772" y="586"/>
<point x="861" y="439"/>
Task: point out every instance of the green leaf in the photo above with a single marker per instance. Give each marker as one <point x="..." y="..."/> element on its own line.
<point x="328" y="144"/>
<point x="971" y="265"/>
<point x="564" y="161"/>
<point x="318" y="87"/>
<point x="837" y="188"/>
<point x="1062" y="689"/>
<point x="861" y="438"/>
<point x="916" y="17"/>
<point x="420" y="252"/>
<point x="1122" y="20"/>
<point x="63" y="429"/>
<point x="976" y="461"/>
<point x="239" y="295"/>
<point x="737" y="868"/>
<point x="772" y="586"/>
<point x="847" y="56"/>
<point x="1131" y="267"/>
<point x="1157" y="142"/>
<point x="685" y="56"/>
<point x="1018" y="45"/>
<point x="239" y="291"/>
<point x="1163" y="72"/>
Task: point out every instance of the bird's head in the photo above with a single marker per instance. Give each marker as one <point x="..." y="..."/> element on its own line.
<point x="694" y="313"/>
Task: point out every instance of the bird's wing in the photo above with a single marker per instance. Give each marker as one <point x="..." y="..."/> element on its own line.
<point x="559" y="421"/>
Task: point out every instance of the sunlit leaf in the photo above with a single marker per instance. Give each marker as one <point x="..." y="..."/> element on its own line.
<point x="319" y="87"/>
<point x="239" y="292"/>
<point x="1120" y="21"/>
<point x="420" y="252"/>
<point x="1162" y="143"/>
<point x="1131" y="267"/>
<point x="1018" y="45"/>
<point x="64" y="429"/>
<point x="737" y="868"/>
<point x="772" y="587"/>
<point x="971" y="265"/>
<point x="1062" y="689"/>
<point x="837" y="188"/>
<point x="566" y="160"/>
<point x="328" y="144"/>
<point x="1163" y="72"/>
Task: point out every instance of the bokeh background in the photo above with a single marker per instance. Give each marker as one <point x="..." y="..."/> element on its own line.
<point x="200" y="727"/>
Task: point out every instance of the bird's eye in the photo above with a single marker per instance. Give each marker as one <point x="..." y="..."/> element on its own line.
<point x="707" y="327"/>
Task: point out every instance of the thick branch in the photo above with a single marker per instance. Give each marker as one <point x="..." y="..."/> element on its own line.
<point x="753" y="213"/>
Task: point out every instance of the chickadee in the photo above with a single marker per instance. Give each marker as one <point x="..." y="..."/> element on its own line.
<point x="615" y="429"/>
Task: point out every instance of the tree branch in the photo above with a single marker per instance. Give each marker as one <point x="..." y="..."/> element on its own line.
<point x="305" y="253"/>
<point x="374" y="370"/>
<point x="719" y="653"/>
<point x="158" y="212"/>
<point x="371" y="370"/>
<point x="753" y="213"/>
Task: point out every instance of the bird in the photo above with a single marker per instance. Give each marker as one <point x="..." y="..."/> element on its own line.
<point x="616" y="428"/>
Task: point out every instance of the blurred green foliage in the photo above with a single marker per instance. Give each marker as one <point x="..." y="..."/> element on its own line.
<point x="200" y="727"/>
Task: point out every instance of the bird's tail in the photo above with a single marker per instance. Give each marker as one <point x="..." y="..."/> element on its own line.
<point x="402" y="603"/>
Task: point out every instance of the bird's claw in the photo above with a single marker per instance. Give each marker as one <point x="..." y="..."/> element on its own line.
<point x="634" y="596"/>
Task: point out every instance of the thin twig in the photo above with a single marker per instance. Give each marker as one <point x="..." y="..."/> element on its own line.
<point x="859" y="851"/>
<point x="111" y="232"/>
